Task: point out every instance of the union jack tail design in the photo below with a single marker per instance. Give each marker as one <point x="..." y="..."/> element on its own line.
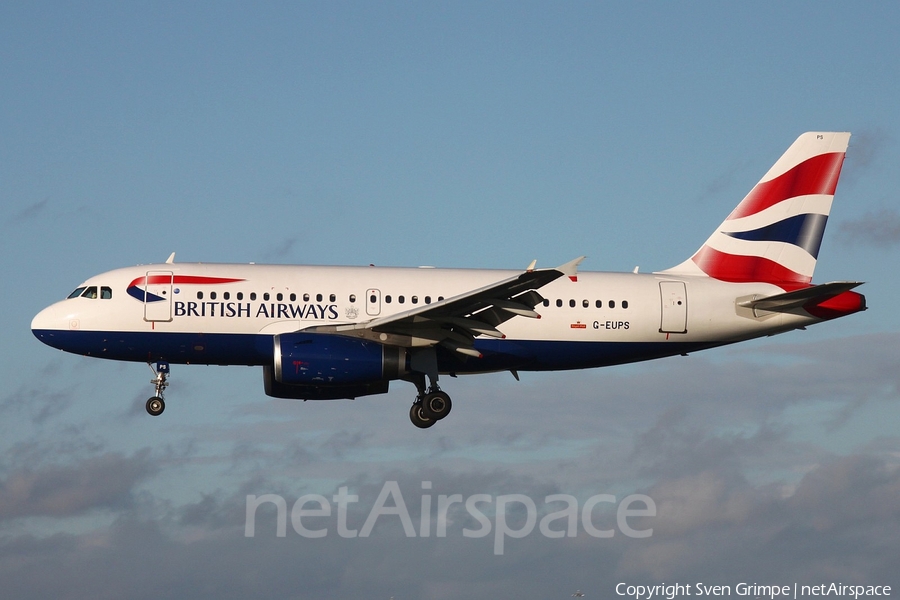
<point x="774" y="234"/>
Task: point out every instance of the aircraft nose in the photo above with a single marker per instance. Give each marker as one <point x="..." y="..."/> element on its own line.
<point x="43" y="320"/>
<point x="51" y="320"/>
<point x="39" y="321"/>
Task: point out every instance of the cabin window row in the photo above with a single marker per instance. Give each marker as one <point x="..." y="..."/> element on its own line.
<point x="586" y="303"/>
<point x="278" y="296"/>
<point x="402" y="299"/>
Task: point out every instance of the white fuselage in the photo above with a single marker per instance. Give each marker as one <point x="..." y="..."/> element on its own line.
<point x="202" y="317"/>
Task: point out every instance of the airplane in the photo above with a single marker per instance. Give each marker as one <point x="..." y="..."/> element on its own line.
<point x="332" y="332"/>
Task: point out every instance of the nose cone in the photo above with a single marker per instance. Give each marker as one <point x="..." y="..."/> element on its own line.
<point x="54" y="320"/>
<point x="41" y="321"/>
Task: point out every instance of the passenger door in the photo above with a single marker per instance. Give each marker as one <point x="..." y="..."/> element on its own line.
<point x="674" y="307"/>
<point x="158" y="296"/>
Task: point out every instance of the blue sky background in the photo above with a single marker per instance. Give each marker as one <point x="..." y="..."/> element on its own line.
<point x="449" y="134"/>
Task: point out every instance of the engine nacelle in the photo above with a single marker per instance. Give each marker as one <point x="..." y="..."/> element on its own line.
<point x="318" y="366"/>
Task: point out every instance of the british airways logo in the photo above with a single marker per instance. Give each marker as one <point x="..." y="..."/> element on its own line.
<point x="138" y="288"/>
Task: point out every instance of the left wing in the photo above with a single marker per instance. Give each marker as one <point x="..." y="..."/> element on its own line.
<point x="455" y="322"/>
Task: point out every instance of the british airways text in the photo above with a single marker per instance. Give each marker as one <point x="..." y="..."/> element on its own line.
<point x="247" y="309"/>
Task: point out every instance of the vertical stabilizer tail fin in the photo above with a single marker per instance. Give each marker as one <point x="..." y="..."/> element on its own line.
<point x="774" y="234"/>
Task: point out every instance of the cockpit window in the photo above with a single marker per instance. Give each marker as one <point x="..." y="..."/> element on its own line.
<point x="105" y="293"/>
<point x="90" y="292"/>
<point x="76" y="293"/>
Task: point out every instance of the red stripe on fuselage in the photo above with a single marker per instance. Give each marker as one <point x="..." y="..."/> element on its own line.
<point x="817" y="175"/>
<point x="182" y="279"/>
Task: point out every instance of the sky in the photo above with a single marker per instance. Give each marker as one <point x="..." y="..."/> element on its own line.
<point x="455" y="134"/>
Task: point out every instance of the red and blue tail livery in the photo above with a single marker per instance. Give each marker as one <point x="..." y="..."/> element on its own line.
<point x="322" y="333"/>
<point x="774" y="234"/>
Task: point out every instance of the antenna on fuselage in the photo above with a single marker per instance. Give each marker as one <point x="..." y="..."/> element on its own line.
<point x="171" y="259"/>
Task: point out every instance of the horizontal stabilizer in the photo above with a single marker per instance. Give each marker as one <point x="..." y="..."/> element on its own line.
<point x="790" y="300"/>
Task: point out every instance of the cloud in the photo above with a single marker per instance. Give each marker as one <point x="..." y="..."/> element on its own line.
<point x="743" y="492"/>
<point x="282" y="250"/>
<point x="841" y="523"/>
<point x="100" y="482"/>
<point x="30" y="212"/>
<point x="726" y="181"/>
<point x="866" y="146"/>
<point x="880" y="229"/>
<point x="838" y="524"/>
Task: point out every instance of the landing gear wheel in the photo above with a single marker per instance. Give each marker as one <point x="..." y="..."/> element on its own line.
<point x="155" y="406"/>
<point x="436" y="405"/>
<point x="418" y="418"/>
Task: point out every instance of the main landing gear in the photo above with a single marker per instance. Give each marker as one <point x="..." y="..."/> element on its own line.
<point x="431" y="405"/>
<point x="430" y="408"/>
<point x="156" y="405"/>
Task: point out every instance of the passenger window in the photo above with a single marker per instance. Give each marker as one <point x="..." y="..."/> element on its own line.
<point x="586" y="303"/>
<point x="212" y="295"/>
<point x="401" y="299"/>
<point x="572" y="303"/>
<point x="546" y="302"/>
<point x="440" y="298"/>
<point x="240" y="295"/>
<point x="293" y="297"/>
<point x="76" y="293"/>
<point x="266" y="296"/>
<point x="373" y="299"/>
<point x="90" y="292"/>
<point x="599" y="303"/>
<point x="199" y="295"/>
<point x="306" y="297"/>
<point x="612" y="303"/>
<point x="226" y="296"/>
<point x="279" y="296"/>
<point x="558" y="303"/>
<point x="427" y="299"/>
<point x="352" y="297"/>
<point x="624" y="303"/>
<point x="414" y="299"/>
<point x="318" y="297"/>
<point x="332" y="298"/>
<point x="387" y="299"/>
<point x="253" y="295"/>
<point x="105" y="293"/>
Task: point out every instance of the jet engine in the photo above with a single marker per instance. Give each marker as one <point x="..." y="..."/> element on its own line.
<point x="317" y="366"/>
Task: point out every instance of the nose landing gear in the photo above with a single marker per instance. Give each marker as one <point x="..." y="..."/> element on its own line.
<point x="156" y="405"/>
